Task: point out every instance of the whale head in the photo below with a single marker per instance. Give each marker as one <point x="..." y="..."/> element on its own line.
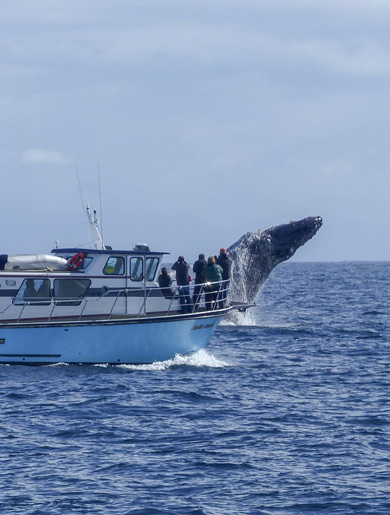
<point x="257" y="253"/>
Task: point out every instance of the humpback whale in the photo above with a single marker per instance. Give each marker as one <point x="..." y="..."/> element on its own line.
<point x="256" y="254"/>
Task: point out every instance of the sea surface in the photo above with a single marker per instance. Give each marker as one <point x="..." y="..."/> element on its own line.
<point x="286" y="413"/>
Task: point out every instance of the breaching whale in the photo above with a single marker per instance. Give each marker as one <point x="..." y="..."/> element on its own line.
<point x="257" y="253"/>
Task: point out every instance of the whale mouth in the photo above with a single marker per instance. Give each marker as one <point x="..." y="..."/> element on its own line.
<point x="287" y="238"/>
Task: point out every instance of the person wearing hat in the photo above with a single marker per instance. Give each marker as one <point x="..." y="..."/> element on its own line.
<point x="225" y="262"/>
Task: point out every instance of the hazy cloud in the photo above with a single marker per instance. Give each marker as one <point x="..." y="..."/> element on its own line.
<point x="207" y="118"/>
<point x="40" y="156"/>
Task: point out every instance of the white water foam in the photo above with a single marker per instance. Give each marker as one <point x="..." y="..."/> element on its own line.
<point x="240" y="318"/>
<point x="200" y="358"/>
<point x="197" y="359"/>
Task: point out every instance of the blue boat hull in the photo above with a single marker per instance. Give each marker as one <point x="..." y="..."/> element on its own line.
<point x="126" y="341"/>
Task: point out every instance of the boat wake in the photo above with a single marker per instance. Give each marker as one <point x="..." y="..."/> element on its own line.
<point x="198" y="359"/>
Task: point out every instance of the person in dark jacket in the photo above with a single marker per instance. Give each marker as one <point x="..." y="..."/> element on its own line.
<point x="30" y="292"/>
<point x="181" y="268"/>
<point x="165" y="283"/>
<point x="198" y="268"/>
<point x="212" y="275"/>
<point x="225" y="262"/>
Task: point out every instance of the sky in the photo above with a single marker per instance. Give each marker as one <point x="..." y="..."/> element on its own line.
<point x="187" y="123"/>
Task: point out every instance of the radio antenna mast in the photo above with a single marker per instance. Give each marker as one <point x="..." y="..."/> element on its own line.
<point x="82" y="202"/>
<point x="100" y="200"/>
<point x="93" y="224"/>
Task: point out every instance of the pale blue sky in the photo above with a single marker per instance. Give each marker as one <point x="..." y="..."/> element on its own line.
<point x="207" y="120"/>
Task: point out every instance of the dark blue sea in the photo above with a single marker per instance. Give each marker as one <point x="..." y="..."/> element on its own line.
<point x="287" y="413"/>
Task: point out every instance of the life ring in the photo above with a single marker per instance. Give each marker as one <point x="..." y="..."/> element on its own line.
<point x="76" y="261"/>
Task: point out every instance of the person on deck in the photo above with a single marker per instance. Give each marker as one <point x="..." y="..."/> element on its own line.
<point x="198" y="268"/>
<point x="181" y="268"/>
<point x="165" y="283"/>
<point x="225" y="262"/>
<point x="213" y="275"/>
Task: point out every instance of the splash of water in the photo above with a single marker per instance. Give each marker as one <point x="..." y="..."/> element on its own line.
<point x="253" y="260"/>
<point x="238" y="318"/>
<point x="200" y="358"/>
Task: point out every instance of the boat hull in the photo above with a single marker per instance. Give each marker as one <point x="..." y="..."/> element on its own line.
<point x="115" y="342"/>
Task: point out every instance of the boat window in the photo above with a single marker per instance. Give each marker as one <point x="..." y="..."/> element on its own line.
<point x="151" y="264"/>
<point x="114" y="266"/>
<point x="136" y="269"/>
<point x="70" y="291"/>
<point x="85" y="264"/>
<point x="35" y="291"/>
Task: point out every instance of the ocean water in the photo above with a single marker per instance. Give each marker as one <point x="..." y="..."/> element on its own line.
<point x="286" y="413"/>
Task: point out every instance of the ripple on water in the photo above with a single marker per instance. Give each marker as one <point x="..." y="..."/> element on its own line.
<point x="286" y="413"/>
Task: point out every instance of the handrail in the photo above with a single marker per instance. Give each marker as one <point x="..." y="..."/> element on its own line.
<point x="219" y="291"/>
<point x="143" y="307"/>
<point x="114" y="303"/>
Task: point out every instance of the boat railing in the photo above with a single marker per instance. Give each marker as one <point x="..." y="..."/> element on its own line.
<point x="204" y="297"/>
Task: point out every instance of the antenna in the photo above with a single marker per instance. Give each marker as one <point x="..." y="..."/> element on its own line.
<point x="82" y="202"/>
<point x="100" y="200"/>
<point x="93" y="224"/>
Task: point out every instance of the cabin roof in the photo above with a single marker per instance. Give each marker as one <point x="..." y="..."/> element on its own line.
<point x="73" y="250"/>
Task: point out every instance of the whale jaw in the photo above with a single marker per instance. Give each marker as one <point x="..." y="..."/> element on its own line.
<point x="287" y="238"/>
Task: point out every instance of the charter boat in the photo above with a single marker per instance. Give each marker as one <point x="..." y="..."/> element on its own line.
<point x="98" y="305"/>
